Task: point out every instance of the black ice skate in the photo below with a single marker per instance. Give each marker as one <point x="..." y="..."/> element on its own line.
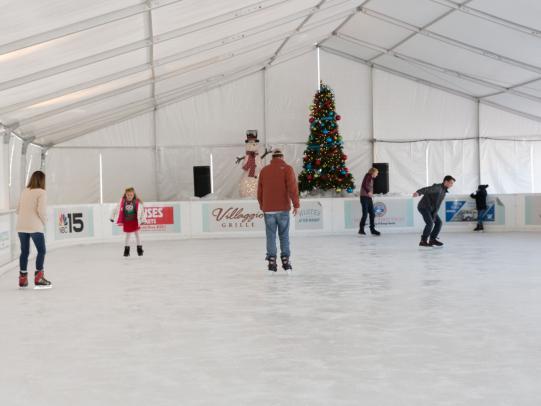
<point x="273" y="267"/>
<point x="127" y="251"/>
<point x="140" y="250"/>
<point x="286" y="265"/>
<point x="424" y="243"/>
<point x="375" y="232"/>
<point x="435" y="243"/>
<point x="479" y="228"/>
<point x="361" y="231"/>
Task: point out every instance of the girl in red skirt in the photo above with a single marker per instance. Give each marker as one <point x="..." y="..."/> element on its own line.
<point x="130" y="214"/>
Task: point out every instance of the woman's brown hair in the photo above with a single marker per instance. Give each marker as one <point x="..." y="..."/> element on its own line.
<point x="37" y="181"/>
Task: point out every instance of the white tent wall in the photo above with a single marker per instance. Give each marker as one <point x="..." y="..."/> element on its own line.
<point x="16" y="170"/>
<point x="424" y="133"/>
<point x="351" y="82"/>
<point x="510" y="152"/>
<point x="4" y="172"/>
<point x="127" y="151"/>
<point x="212" y="123"/>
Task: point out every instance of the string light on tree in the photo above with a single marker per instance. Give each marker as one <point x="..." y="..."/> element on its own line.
<point x="324" y="161"/>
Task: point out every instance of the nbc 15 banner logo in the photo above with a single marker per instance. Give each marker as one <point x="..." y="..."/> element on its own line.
<point x="73" y="223"/>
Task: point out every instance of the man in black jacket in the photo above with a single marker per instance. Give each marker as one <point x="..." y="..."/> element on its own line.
<point x="433" y="197"/>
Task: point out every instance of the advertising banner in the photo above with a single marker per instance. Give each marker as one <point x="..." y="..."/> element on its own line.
<point x="532" y="210"/>
<point x="463" y="210"/>
<point x="73" y="222"/>
<point x="389" y="212"/>
<point x="232" y="217"/>
<point x="310" y="216"/>
<point x="161" y="218"/>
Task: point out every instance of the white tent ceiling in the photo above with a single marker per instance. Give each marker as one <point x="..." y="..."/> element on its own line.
<point x="71" y="67"/>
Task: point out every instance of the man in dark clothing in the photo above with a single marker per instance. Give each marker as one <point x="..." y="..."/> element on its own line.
<point x="433" y="197"/>
<point x="480" y="197"/>
<point x="367" y="192"/>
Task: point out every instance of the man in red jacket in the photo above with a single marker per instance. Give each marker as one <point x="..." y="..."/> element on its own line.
<point x="276" y="189"/>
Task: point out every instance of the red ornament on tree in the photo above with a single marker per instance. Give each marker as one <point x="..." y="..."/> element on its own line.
<point x="338" y="117"/>
<point x="311" y="119"/>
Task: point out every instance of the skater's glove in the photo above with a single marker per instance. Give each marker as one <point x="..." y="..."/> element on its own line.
<point x="111" y="220"/>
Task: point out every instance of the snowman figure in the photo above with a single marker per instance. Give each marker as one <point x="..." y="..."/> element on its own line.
<point x="252" y="164"/>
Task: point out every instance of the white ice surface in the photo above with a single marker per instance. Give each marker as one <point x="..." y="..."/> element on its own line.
<point x="362" y="321"/>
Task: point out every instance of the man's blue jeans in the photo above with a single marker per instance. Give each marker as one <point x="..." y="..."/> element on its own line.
<point x="277" y="221"/>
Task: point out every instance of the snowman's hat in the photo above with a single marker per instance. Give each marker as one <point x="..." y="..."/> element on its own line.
<point x="251" y="136"/>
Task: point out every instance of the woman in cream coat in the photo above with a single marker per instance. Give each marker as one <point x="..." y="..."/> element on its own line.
<point x="31" y="220"/>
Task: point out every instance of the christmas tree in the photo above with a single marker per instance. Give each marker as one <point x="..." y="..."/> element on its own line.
<point x="324" y="165"/>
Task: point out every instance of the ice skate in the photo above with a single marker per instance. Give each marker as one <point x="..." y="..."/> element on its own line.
<point x="286" y="265"/>
<point x="126" y="251"/>
<point x="40" y="282"/>
<point x="374" y="232"/>
<point x="272" y="266"/>
<point x="140" y="250"/>
<point x="23" y="280"/>
<point x="435" y="243"/>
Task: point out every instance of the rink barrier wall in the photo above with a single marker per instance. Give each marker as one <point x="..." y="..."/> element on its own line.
<point x="83" y="224"/>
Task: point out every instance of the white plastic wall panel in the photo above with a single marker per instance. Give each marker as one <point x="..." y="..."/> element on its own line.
<point x="33" y="161"/>
<point x="31" y="17"/>
<point x="128" y="168"/>
<point x="416" y="12"/>
<point x="137" y="132"/>
<point x="525" y="12"/>
<point x="73" y="47"/>
<point x="220" y="116"/>
<point x="16" y="176"/>
<point x="501" y="124"/>
<point x="506" y="166"/>
<point x="462" y="60"/>
<point x="434" y="76"/>
<point x="536" y="166"/>
<point x="406" y="110"/>
<point x="407" y="165"/>
<point x="351" y="84"/>
<point x="72" y="176"/>
<point x="73" y="77"/>
<point x="374" y="30"/>
<point x="291" y="87"/>
<point x="518" y="103"/>
<point x="493" y="37"/>
<point x="351" y="48"/>
<point x="456" y="158"/>
<point x="4" y="174"/>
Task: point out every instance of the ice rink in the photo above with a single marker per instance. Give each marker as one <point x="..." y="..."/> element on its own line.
<point x="361" y="321"/>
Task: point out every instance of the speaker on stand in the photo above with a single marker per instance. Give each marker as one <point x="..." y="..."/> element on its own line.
<point x="381" y="182"/>
<point x="201" y="181"/>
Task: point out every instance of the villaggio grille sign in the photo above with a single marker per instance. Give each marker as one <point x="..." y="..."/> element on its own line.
<point x="232" y="217"/>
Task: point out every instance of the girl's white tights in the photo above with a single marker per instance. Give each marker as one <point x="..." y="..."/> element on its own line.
<point x="137" y="238"/>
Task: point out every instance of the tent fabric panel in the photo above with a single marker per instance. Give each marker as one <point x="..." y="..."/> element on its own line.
<point x="351" y="84"/>
<point x="406" y="110"/>
<point x="220" y="116"/>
